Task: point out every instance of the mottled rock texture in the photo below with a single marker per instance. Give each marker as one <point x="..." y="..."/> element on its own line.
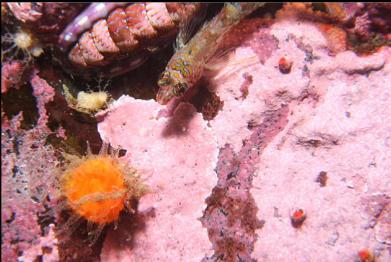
<point x="27" y="176"/>
<point x="225" y="182"/>
<point x="336" y="123"/>
<point x="178" y="156"/>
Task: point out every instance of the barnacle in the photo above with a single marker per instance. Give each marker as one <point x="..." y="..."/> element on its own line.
<point x="21" y="41"/>
<point x="98" y="188"/>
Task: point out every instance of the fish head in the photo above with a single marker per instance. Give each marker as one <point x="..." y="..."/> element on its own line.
<point x="171" y="84"/>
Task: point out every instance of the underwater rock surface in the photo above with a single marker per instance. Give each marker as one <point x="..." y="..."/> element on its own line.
<point x="26" y="181"/>
<point x="307" y="127"/>
<point x="338" y="123"/>
<point x="180" y="154"/>
<point x="341" y="126"/>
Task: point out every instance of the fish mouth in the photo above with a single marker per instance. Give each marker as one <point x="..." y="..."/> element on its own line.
<point x="164" y="95"/>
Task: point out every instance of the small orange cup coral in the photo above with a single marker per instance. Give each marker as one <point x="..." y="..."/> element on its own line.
<point x="298" y="217"/>
<point x="365" y="255"/>
<point x="98" y="187"/>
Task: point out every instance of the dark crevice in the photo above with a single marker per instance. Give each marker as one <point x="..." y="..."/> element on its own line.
<point x="22" y="99"/>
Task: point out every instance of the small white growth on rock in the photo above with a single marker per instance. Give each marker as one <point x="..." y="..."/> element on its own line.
<point x="87" y="102"/>
<point x="92" y="101"/>
<point x="24" y="41"/>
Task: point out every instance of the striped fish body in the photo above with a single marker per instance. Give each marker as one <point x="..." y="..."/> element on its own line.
<point x="187" y="65"/>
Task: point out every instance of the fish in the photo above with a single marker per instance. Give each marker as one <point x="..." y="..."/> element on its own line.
<point x="188" y="64"/>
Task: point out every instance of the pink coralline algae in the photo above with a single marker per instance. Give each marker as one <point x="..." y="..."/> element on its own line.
<point x="11" y="75"/>
<point x="44" y="94"/>
<point x="45" y="249"/>
<point x="342" y="129"/>
<point x="178" y="156"/>
<point x="27" y="172"/>
<point x="378" y="210"/>
<point x="327" y="115"/>
<point x="362" y="26"/>
<point x="263" y="44"/>
<point x="225" y="181"/>
<point x="253" y="33"/>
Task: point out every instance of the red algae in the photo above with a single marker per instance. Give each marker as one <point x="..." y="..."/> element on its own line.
<point x="44" y="94"/>
<point x="11" y="75"/>
<point x="253" y="32"/>
<point x="26" y="182"/>
<point x="244" y="88"/>
<point x="230" y="216"/>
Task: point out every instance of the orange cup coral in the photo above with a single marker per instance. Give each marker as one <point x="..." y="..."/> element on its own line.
<point x="98" y="187"/>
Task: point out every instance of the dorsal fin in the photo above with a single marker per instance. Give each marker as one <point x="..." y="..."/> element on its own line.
<point x="188" y="28"/>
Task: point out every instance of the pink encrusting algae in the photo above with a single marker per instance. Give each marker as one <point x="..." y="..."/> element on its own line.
<point x="179" y="180"/>
<point x="11" y="75"/>
<point x="27" y="176"/>
<point x="44" y="94"/>
<point x="233" y="216"/>
<point x="283" y="159"/>
<point x="340" y="129"/>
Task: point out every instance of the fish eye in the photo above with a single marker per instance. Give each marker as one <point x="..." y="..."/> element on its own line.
<point x="179" y="89"/>
<point x="164" y="79"/>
